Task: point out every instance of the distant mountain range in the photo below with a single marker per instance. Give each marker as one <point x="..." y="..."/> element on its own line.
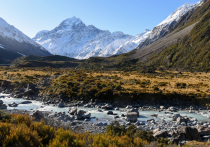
<point x="74" y="39"/>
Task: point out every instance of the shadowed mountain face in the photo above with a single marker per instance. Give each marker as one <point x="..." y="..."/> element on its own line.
<point x="6" y="56"/>
<point x="17" y="44"/>
<point x="22" y="48"/>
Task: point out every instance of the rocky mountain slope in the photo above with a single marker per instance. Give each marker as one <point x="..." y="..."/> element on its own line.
<point x="165" y="26"/>
<point x="184" y="47"/>
<point x="15" y="41"/>
<point x="74" y="39"/>
<point x="192" y="52"/>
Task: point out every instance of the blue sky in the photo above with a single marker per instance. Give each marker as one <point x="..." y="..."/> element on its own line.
<point x="129" y="16"/>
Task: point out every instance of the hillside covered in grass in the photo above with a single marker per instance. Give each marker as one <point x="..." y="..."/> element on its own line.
<point x="192" y="52"/>
<point x="186" y="47"/>
<point x="124" y="87"/>
<point x="55" y="61"/>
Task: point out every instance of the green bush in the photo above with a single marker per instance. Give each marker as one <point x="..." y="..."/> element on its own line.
<point x="4" y="116"/>
<point x="162" y="84"/>
<point x="45" y="132"/>
<point x="156" y="89"/>
<point x="118" y="87"/>
<point x="63" y="139"/>
<point x="115" y="129"/>
<point x="21" y="136"/>
<point x="181" y="85"/>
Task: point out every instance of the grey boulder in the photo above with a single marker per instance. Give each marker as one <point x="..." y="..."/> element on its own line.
<point x="3" y="106"/>
<point x="37" y="115"/>
<point x="160" y="134"/>
<point x="187" y="133"/>
<point x="203" y="130"/>
<point x="131" y="116"/>
<point x="72" y="110"/>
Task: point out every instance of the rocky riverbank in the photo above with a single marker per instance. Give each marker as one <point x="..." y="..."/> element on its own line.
<point x="33" y="92"/>
<point x="179" y="130"/>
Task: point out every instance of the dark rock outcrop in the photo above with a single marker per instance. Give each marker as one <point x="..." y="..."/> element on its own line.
<point x="160" y="134"/>
<point x="187" y="133"/>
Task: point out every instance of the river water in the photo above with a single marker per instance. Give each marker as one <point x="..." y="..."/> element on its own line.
<point x="144" y="115"/>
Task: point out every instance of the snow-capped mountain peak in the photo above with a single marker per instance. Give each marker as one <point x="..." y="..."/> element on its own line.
<point x="178" y="13"/>
<point x="74" y="39"/>
<point x="165" y="26"/>
<point x="72" y="20"/>
<point x="71" y="24"/>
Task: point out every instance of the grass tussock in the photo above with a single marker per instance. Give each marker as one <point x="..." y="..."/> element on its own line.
<point x="108" y="85"/>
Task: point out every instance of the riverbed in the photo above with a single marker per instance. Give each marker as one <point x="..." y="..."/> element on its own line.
<point x="101" y="116"/>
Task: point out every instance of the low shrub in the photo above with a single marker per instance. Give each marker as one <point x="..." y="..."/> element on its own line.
<point x="156" y="89"/>
<point x="180" y="85"/>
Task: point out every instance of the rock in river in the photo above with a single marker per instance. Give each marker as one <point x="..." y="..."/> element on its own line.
<point x="80" y="114"/>
<point x="175" y="116"/>
<point x="110" y="112"/>
<point x="2" y="105"/>
<point x="26" y="102"/>
<point x="86" y="115"/>
<point x="131" y="116"/>
<point x="61" y="105"/>
<point x="13" y="104"/>
<point x="72" y="110"/>
<point x="133" y="110"/>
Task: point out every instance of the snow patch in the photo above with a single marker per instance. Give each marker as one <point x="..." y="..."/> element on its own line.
<point x="21" y="54"/>
<point x="1" y="46"/>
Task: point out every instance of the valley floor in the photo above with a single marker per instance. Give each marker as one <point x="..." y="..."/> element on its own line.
<point x="162" y="91"/>
<point x="74" y="85"/>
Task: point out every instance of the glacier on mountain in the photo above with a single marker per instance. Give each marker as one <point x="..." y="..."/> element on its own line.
<point x="74" y="39"/>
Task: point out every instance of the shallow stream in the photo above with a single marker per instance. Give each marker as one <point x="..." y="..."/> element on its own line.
<point x="102" y="116"/>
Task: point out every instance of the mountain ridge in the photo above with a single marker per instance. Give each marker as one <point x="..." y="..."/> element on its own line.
<point x="15" y="42"/>
<point x="73" y="38"/>
<point x="166" y="25"/>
